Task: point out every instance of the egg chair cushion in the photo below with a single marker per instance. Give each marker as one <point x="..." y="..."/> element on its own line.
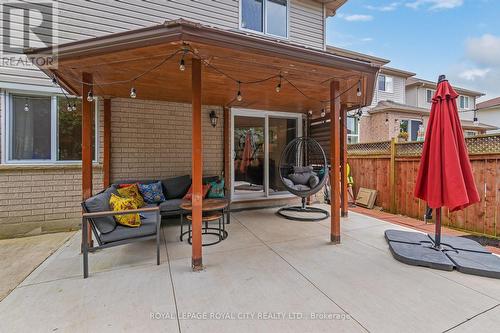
<point x="313" y="181"/>
<point x="301" y="175"/>
<point x="288" y="182"/>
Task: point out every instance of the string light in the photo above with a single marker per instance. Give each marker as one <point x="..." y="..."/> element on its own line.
<point x="69" y="108"/>
<point x="239" y="97"/>
<point x="26" y="107"/>
<point x="133" y="93"/>
<point x="73" y="108"/>
<point x="90" y="96"/>
<point x="182" y="63"/>
<point x="278" y="87"/>
<point x="323" y="113"/>
<point x="358" y="90"/>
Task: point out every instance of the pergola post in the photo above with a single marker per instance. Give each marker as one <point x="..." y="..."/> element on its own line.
<point x="335" y="161"/>
<point x="197" y="166"/>
<point x="87" y="108"/>
<point x="107" y="142"/>
<point x="343" y="161"/>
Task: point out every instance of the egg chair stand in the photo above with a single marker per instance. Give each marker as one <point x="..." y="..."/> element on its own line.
<point x="303" y="171"/>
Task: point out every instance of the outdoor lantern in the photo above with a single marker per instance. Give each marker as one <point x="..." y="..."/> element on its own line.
<point x="213" y="118"/>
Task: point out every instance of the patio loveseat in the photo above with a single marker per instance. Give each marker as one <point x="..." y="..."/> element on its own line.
<point x="108" y="233"/>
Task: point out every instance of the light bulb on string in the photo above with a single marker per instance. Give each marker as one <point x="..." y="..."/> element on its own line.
<point x="239" y="97"/>
<point x="182" y="63"/>
<point x="73" y="107"/>
<point x="90" y="96"/>
<point x="278" y="87"/>
<point x="133" y="93"/>
<point x="358" y="90"/>
<point x="69" y="107"/>
<point x="26" y="107"/>
<point x="323" y="113"/>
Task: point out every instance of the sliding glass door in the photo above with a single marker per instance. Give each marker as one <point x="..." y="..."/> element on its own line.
<point x="258" y="138"/>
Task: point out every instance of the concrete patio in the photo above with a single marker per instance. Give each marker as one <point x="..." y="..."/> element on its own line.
<point x="269" y="275"/>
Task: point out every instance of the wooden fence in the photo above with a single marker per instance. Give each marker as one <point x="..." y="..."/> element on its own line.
<point x="391" y="168"/>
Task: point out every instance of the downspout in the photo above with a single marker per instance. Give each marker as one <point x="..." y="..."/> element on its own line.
<point x="324" y="26"/>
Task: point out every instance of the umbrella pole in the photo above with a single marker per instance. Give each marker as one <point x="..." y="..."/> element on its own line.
<point x="437" y="235"/>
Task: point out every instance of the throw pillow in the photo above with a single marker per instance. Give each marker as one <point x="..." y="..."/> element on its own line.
<point x="118" y="203"/>
<point x="189" y="195"/>
<point x="152" y="193"/>
<point x="132" y="192"/>
<point x="124" y="185"/>
<point x="216" y="190"/>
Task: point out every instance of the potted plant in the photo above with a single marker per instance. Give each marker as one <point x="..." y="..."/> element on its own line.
<point x="403" y="136"/>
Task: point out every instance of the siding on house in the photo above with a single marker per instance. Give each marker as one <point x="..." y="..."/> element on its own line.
<point x="398" y="95"/>
<point x="83" y="19"/>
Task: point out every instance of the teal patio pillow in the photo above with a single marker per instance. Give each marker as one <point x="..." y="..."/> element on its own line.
<point x="216" y="190"/>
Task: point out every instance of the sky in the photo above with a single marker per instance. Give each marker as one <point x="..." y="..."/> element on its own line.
<point x="458" y="38"/>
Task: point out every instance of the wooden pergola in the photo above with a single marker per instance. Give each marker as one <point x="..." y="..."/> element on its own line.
<point x="218" y="63"/>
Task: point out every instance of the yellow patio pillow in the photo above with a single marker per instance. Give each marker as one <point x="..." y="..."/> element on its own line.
<point x="132" y="192"/>
<point x="118" y="203"/>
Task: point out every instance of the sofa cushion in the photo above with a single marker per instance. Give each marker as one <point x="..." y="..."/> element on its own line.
<point x="152" y="193"/>
<point x="216" y="190"/>
<point x="132" y="192"/>
<point x="170" y="205"/>
<point x="118" y="203"/>
<point x="147" y="228"/>
<point x="100" y="203"/>
<point x="176" y="188"/>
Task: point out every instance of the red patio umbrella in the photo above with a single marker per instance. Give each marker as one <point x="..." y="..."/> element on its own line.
<point x="445" y="176"/>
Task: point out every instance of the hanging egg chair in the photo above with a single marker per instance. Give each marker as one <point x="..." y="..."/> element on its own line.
<point x="303" y="170"/>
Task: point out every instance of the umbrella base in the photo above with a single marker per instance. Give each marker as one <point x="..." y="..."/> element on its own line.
<point x="464" y="255"/>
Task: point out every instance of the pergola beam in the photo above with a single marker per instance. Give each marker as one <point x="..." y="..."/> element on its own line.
<point x="197" y="166"/>
<point x="335" y="162"/>
<point x="87" y="107"/>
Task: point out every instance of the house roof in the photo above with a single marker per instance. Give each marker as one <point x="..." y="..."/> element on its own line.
<point x="390" y="106"/>
<point x="332" y="5"/>
<point x="489" y="103"/>
<point x="118" y="57"/>
<point x="396" y="72"/>
<point x="356" y="55"/>
<point x="414" y="81"/>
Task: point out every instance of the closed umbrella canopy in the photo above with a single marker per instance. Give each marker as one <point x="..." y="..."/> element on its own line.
<point x="445" y="176"/>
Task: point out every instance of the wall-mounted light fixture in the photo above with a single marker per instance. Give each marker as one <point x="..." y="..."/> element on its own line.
<point x="213" y="118"/>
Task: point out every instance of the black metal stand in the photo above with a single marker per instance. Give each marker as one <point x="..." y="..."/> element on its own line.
<point x="220" y="232"/>
<point x="303" y="209"/>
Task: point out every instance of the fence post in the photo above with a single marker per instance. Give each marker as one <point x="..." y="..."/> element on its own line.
<point x="392" y="177"/>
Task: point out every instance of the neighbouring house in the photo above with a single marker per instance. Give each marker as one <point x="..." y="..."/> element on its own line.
<point x="41" y="128"/>
<point x="489" y="112"/>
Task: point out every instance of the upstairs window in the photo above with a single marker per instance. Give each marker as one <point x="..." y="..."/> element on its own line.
<point x="464" y="102"/>
<point x="265" y="16"/>
<point x="385" y="83"/>
<point x="429" y="94"/>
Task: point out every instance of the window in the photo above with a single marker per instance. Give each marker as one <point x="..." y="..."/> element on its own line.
<point x="41" y="129"/>
<point x="385" y="83"/>
<point x="469" y="134"/>
<point x="412" y="127"/>
<point x="464" y="102"/>
<point x="352" y="130"/>
<point x="265" y="16"/>
<point x="429" y="94"/>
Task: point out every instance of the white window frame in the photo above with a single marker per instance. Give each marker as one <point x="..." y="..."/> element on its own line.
<point x="466" y="100"/>
<point x="54" y="140"/>
<point x="410" y="126"/>
<point x="355" y="135"/>
<point x="426" y="95"/>
<point x="264" y="21"/>
<point x="385" y="86"/>
<point x="264" y="115"/>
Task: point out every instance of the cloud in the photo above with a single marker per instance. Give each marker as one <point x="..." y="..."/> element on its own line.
<point x="474" y="73"/>
<point x="385" y="8"/>
<point x="484" y="50"/>
<point x="435" y="4"/>
<point x="357" y="18"/>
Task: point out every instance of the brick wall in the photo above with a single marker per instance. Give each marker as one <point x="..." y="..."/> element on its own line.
<point x="152" y="139"/>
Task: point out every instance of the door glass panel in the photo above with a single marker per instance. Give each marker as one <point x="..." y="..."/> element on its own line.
<point x="249" y="155"/>
<point x="281" y="132"/>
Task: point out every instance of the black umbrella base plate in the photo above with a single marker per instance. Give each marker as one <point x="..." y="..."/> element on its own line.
<point x="464" y="255"/>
